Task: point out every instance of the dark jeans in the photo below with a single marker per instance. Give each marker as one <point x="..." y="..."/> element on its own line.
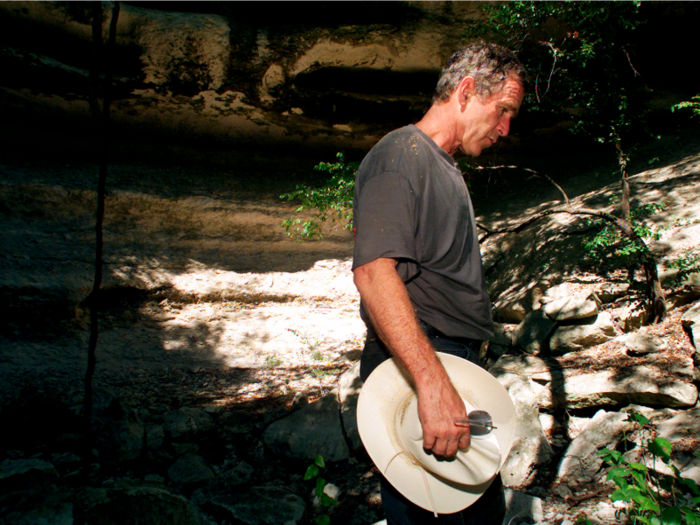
<point x="490" y="508"/>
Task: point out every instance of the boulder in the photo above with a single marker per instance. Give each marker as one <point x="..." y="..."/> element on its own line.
<point x="234" y="477"/>
<point x="581" y="461"/>
<point x="20" y="474"/>
<point x="172" y="41"/>
<point x="513" y="312"/>
<point x="313" y="430"/>
<point x="349" y="387"/>
<point x="578" y="306"/>
<point x="120" y="433"/>
<point x="190" y="469"/>
<point x="43" y="505"/>
<point x="579" y="337"/>
<point x="139" y="504"/>
<point x="691" y="323"/>
<point x="186" y="422"/>
<point x="154" y="436"/>
<point x="633" y="316"/>
<point x="681" y="430"/>
<point x="526" y="366"/>
<point x="500" y="336"/>
<point x="522" y="508"/>
<point x="269" y="505"/>
<point x="533" y="332"/>
<point x="646" y="385"/>
<point x="638" y="344"/>
<point x="530" y="448"/>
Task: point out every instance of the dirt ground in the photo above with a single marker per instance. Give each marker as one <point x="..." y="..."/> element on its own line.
<point x="205" y="299"/>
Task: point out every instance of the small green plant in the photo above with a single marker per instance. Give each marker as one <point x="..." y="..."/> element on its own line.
<point x="693" y="105"/>
<point x="313" y="472"/>
<point x="686" y="265"/>
<point x="607" y="244"/>
<point x="332" y="201"/>
<point x="653" y="498"/>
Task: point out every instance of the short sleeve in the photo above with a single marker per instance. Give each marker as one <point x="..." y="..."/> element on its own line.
<point x="384" y="221"/>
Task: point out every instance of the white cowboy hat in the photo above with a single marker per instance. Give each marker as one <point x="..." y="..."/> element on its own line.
<point x="387" y="419"/>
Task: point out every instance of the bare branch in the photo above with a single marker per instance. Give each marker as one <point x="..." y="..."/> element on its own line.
<point x="629" y="60"/>
<point x="535" y="173"/>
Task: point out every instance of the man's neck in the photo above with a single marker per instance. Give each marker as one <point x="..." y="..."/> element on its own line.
<point x="437" y="124"/>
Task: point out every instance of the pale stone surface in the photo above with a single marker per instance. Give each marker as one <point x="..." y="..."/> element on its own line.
<point x="571" y="338"/>
<point x="578" y="306"/>
<point x="638" y="344"/>
<point x="313" y="430"/>
<point x="632" y="317"/>
<point x="639" y="384"/>
<point x="530" y="448"/>
<point x="581" y="460"/>
<point x="522" y="365"/>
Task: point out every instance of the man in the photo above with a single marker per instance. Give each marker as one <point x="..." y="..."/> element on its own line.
<point x="417" y="264"/>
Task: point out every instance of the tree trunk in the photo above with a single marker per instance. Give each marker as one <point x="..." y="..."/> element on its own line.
<point x="101" y="120"/>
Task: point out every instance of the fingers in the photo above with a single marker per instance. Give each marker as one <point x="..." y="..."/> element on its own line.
<point x="465" y="440"/>
<point x="448" y="446"/>
<point x="437" y="411"/>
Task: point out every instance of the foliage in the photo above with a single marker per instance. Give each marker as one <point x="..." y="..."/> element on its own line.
<point x="693" y="105"/>
<point x="313" y="472"/>
<point x="333" y="200"/>
<point x="653" y="498"/>
<point x="686" y="265"/>
<point x="609" y="246"/>
<point x="581" y="63"/>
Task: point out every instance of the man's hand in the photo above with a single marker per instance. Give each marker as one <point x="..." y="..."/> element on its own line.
<point x="438" y="405"/>
<point x="386" y="300"/>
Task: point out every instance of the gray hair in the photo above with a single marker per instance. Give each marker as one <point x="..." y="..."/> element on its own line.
<point x="488" y="64"/>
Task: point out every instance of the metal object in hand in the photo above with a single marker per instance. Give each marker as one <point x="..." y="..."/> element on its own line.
<point x="479" y="422"/>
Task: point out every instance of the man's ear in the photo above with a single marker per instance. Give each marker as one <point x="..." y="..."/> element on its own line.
<point x="466" y="89"/>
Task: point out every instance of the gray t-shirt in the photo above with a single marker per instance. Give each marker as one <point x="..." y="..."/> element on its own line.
<point x="412" y="204"/>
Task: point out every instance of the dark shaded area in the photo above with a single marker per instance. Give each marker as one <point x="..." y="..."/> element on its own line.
<point x="297" y="15"/>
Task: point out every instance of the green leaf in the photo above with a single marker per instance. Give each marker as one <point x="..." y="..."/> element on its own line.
<point x="691" y="517"/>
<point x="690" y="483"/>
<point x="638" y="418"/>
<point x="639" y="467"/>
<point x="323" y="519"/>
<point x="319" y="461"/>
<point x="661" y="448"/>
<point x="311" y="472"/>
<point x="671" y="516"/>
<point x="327" y="501"/>
<point x="320" y="484"/>
<point x="620" y="495"/>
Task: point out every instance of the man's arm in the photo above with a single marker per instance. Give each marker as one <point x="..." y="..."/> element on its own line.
<point x="389" y="307"/>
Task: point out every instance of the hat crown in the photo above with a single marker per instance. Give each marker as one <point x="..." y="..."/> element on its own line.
<point x="474" y="466"/>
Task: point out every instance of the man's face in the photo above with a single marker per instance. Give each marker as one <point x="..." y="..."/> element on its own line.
<point x="487" y="118"/>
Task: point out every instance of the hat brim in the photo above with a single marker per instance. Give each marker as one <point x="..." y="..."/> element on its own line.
<point x="387" y="389"/>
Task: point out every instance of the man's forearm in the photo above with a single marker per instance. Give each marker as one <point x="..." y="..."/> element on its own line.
<point x="389" y="307"/>
<point x="391" y="313"/>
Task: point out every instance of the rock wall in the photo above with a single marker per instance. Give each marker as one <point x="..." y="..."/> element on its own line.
<point x="234" y="76"/>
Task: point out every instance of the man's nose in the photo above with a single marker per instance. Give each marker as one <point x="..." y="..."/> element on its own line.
<point x="504" y="126"/>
